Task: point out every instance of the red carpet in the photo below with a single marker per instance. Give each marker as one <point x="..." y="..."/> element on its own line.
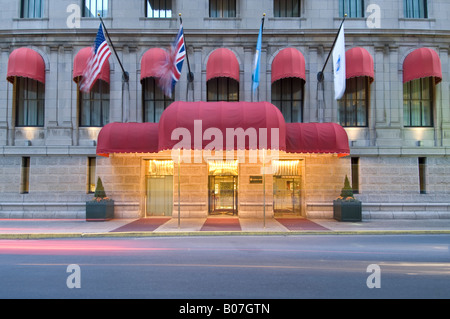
<point x="221" y="224"/>
<point x="143" y="224"/>
<point x="299" y="224"/>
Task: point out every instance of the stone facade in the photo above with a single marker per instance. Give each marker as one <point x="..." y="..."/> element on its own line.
<point x="387" y="151"/>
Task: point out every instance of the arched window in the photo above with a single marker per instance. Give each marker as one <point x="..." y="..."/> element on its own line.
<point x="93" y="106"/>
<point x="421" y="72"/>
<point x="354" y="105"/>
<point x="154" y="101"/>
<point x="222" y="75"/>
<point x="26" y="70"/>
<point x="288" y="84"/>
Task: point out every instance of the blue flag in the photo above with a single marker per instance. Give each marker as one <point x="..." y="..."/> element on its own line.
<point x="257" y="61"/>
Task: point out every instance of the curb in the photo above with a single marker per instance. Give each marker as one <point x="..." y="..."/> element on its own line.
<point x="219" y="233"/>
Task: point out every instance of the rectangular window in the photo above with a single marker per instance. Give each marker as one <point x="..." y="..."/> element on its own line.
<point x="154" y="100"/>
<point x="91" y="8"/>
<point x="422" y="175"/>
<point x="353" y="8"/>
<point x="158" y="8"/>
<point x="29" y="97"/>
<point x="287" y="95"/>
<point x="418" y="103"/>
<point x="355" y="175"/>
<point x="353" y="107"/>
<point x="25" y="176"/>
<point x="31" y="9"/>
<point x="92" y="165"/>
<point x="222" y="8"/>
<point x="94" y="106"/>
<point x="286" y="8"/>
<point x="416" y="9"/>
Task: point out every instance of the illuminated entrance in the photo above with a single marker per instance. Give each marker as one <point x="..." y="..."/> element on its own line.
<point x="222" y="188"/>
<point x="159" y="188"/>
<point x="286" y="188"/>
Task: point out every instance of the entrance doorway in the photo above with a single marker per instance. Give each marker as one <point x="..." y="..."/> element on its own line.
<point x="223" y="195"/>
<point x="287" y="195"/>
<point x="159" y="188"/>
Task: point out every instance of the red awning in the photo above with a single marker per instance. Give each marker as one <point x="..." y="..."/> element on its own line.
<point x="359" y="62"/>
<point x="151" y="60"/>
<point x="289" y="63"/>
<point x="422" y="63"/>
<point x="220" y="116"/>
<point x="80" y="62"/>
<point x="27" y="63"/>
<point x="222" y="63"/>
<point x="321" y="138"/>
<point x="128" y="138"/>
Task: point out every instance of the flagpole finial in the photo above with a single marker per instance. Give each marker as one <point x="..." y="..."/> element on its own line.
<point x="179" y="14"/>
<point x="264" y="14"/>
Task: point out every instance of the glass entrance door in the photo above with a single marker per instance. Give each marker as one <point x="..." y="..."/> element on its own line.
<point x="286" y="195"/>
<point x="223" y="195"/>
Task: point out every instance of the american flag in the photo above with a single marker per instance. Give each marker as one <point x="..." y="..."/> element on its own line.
<point x="100" y="55"/>
<point x="169" y="72"/>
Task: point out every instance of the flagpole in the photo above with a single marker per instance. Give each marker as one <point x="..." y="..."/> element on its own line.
<point x="190" y="75"/>
<point x="262" y="29"/>
<point x="125" y="73"/>
<point x="320" y="76"/>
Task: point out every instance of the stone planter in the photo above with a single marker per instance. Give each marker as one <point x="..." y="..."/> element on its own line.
<point x="99" y="211"/>
<point x="347" y="211"/>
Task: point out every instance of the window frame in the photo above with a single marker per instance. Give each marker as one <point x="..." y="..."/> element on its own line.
<point x="408" y="101"/>
<point x="84" y="8"/>
<point x="221" y="12"/>
<point x="102" y="85"/>
<point x="277" y="8"/>
<point x="345" y="101"/>
<point x="151" y="82"/>
<point x="410" y="13"/>
<point x="25" y="175"/>
<point x="166" y="4"/>
<point x="346" y="7"/>
<point x="22" y="106"/>
<point x="229" y="94"/>
<point x="25" y="14"/>
<point x="279" y="103"/>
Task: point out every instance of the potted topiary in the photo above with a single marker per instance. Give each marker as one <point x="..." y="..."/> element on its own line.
<point x="346" y="208"/>
<point x="101" y="207"/>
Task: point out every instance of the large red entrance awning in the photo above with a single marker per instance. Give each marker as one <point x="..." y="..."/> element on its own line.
<point x="27" y="63"/>
<point x="328" y="138"/>
<point x="204" y="124"/>
<point x="128" y="138"/>
<point x="223" y="117"/>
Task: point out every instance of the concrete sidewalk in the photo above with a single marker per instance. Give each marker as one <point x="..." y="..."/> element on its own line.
<point x="55" y="228"/>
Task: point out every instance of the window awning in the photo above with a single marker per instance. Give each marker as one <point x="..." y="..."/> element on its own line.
<point x="27" y="63"/>
<point x="422" y="63"/>
<point x="359" y="62"/>
<point x="289" y="63"/>
<point x="222" y="63"/>
<point x="128" y="138"/>
<point x="220" y="118"/>
<point x="151" y="60"/>
<point x="324" y="138"/>
<point x="80" y="62"/>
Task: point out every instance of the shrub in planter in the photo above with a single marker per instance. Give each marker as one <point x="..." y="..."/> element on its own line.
<point x="101" y="207"/>
<point x="346" y="207"/>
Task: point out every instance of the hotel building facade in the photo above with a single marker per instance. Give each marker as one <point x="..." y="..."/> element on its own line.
<point x="390" y="133"/>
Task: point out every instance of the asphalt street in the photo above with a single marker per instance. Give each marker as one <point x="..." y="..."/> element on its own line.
<point x="228" y="267"/>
